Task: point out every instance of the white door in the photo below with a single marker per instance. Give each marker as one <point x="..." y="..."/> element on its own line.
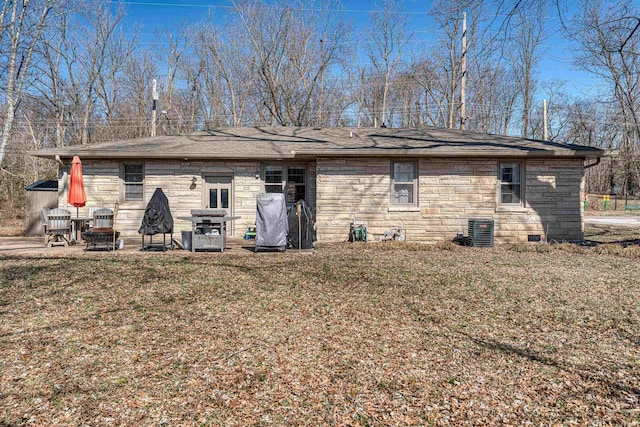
<point x="219" y="194"/>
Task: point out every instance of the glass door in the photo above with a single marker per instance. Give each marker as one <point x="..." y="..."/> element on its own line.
<point x="218" y="194"/>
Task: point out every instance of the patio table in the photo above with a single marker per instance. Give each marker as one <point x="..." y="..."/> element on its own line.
<point x="78" y="224"/>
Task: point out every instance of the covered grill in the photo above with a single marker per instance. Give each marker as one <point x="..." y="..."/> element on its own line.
<point x="272" y="225"/>
<point x="157" y="219"/>
<point x="208" y="229"/>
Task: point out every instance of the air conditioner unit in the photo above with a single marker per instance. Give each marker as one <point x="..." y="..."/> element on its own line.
<point x="481" y="232"/>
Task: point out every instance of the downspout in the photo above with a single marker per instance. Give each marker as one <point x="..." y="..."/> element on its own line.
<point x="597" y="162"/>
<point x="63" y="174"/>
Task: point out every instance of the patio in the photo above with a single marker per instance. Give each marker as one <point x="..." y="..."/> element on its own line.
<point x="35" y="246"/>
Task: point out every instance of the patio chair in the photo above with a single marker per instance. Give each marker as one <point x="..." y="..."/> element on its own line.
<point x="92" y="210"/>
<point x="102" y="232"/>
<point x="45" y="223"/>
<point x="102" y="218"/>
<point x="58" y="227"/>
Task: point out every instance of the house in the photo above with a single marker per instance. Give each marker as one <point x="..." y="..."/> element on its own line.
<point x="429" y="181"/>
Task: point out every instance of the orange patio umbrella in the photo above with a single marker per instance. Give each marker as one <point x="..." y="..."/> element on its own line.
<point x="77" y="196"/>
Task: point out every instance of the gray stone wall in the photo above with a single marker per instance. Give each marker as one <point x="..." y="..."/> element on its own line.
<point x="104" y="187"/>
<point x="450" y="192"/>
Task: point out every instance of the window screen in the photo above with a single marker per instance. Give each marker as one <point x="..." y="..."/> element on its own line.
<point x="510" y="183"/>
<point x="133" y="182"/>
<point x="404" y="183"/>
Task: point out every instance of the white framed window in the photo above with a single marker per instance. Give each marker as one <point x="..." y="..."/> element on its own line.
<point x="510" y="177"/>
<point x="288" y="179"/>
<point x="404" y="184"/>
<point x="273" y="179"/>
<point x="133" y="177"/>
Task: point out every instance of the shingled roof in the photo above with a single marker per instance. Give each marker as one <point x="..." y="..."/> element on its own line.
<point x="301" y="143"/>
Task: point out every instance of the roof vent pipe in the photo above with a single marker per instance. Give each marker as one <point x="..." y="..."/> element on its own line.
<point x="350" y="134"/>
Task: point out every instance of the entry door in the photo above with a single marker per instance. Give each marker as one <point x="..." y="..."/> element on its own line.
<point x="218" y="194"/>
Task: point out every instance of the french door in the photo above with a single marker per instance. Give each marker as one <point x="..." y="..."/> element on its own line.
<point x="218" y="194"/>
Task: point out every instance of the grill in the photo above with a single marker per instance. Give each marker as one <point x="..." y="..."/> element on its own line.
<point x="208" y="229"/>
<point x="100" y="236"/>
<point x="157" y="219"/>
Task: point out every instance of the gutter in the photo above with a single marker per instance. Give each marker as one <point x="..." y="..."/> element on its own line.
<point x="162" y="156"/>
<point x="304" y="154"/>
<point x="422" y="153"/>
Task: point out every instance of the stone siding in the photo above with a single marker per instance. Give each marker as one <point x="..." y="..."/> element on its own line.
<point x="104" y="187"/>
<point x="450" y="192"/>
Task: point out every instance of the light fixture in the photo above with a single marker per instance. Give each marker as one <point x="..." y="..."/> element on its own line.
<point x="194" y="180"/>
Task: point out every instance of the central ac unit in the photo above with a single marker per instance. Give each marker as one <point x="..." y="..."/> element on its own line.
<point x="481" y="232"/>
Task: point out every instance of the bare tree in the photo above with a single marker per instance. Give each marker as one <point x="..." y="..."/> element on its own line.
<point x="172" y="54"/>
<point x="50" y="81"/>
<point x="440" y="71"/>
<point x="131" y="112"/>
<point x="287" y="57"/>
<point x="78" y="74"/>
<point x="406" y="99"/>
<point x="389" y="38"/>
<point x="118" y="53"/>
<point x="100" y="44"/>
<point x="608" y="39"/>
<point x="529" y="30"/>
<point x="225" y="76"/>
<point x="23" y="23"/>
<point x="492" y="96"/>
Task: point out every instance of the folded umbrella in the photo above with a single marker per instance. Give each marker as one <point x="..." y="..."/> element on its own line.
<point x="77" y="195"/>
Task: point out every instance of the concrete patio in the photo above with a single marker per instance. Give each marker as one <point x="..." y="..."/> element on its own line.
<point x="36" y="246"/>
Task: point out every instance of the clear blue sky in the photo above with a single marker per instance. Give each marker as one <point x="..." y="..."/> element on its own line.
<point x="159" y="15"/>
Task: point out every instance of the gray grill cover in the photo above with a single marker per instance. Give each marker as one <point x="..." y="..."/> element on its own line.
<point x="272" y="224"/>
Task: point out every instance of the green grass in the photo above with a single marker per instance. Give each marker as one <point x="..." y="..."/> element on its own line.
<point x="355" y="334"/>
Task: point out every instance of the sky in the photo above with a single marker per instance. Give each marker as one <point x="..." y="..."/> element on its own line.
<point x="152" y="16"/>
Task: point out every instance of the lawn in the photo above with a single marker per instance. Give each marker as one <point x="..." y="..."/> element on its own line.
<point x="354" y="334"/>
<point x="606" y="233"/>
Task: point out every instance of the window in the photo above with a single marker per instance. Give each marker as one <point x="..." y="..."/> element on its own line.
<point x="290" y="180"/>
<point x="403" y="183"/>
<point x="510" y="183"/>
<point x="296" y="187"/>
<point x="273" y="182"/>
<point x="133" y="182"/>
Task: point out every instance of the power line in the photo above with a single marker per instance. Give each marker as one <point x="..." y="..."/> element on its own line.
<point x="301" y="9"/>
<point x="475" y="114"/>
